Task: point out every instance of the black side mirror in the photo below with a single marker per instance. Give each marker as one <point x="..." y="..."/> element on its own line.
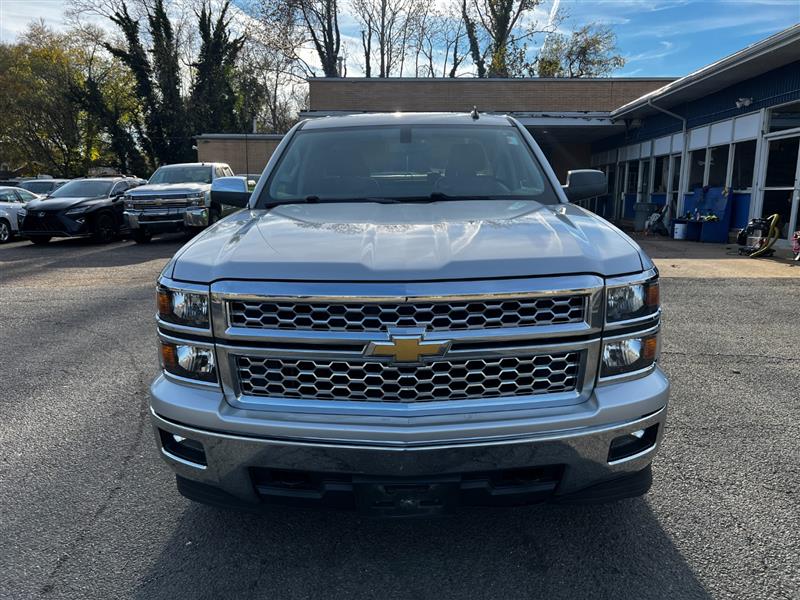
<point x="585" y="183"/>
<point x="231" y="191"/>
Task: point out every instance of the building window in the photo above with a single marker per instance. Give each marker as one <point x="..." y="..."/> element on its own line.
<point x="661" y="175"/>
<point x="744" y="160"/>
<point x="785" y="117"/>
<point x="718" y="165"/>
<point x="697" y="169"/>
<point x="676" y="173"/>
<point x="633" y="177"/>
<point x="782" y="162"/>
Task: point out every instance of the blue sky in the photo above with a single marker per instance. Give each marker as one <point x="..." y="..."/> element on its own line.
<point x="658" y="37"/>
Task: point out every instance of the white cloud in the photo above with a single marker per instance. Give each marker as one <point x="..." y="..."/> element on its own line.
<point x="663" y="49"/>
<point x="17" y="15"/>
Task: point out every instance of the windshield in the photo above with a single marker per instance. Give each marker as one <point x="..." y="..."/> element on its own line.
<point x="409" y="162"/>
<point x="82" y="188"/>
<point x="37" y="187"/>
<point x="182" y="174"/>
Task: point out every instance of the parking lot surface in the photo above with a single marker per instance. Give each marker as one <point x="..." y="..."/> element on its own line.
<point x="88" y="510"/>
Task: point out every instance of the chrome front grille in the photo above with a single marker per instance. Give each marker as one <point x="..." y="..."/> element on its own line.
<point x="159" y="201"/>
<point x="432" y="316"/>
<point x="375" y="381"/>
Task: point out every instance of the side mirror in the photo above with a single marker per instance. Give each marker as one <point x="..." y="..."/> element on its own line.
<point x="231" y="191"/>
<point x="585" y="183"/>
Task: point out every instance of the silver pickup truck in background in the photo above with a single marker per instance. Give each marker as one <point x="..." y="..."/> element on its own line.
<point x="176" y="198"/>
<point x="410" y="316"/>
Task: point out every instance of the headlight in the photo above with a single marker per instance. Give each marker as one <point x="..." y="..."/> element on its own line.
<point x="78" y="210"/>
<point x="198" y="199"/>
<point x="186" y="360"/>
<point x="21" y="213"/>
<point x="627" y="302"/>
<point x="629" y="355"/>
<point x="183" y="307"/>
<point x="128" y="202"/>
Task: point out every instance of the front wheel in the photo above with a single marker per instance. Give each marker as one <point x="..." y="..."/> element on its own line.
<point x="104" y="230"/>
<point x="40" y="240"/>
<point x="141" y="236"/>
<point x="5" y="231"/>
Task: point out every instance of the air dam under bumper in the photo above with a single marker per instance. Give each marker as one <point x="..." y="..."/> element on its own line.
<point x="572" y="457"/>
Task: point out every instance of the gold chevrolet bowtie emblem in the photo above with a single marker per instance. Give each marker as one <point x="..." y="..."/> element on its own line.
<point x="407" y="348"/>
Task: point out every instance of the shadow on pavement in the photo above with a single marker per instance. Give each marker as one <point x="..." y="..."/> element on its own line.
<point x="608" y="551"/>
<point x="22" y="257"/>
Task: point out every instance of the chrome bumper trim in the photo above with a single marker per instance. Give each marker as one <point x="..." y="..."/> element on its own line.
<point x="584" y="452"/>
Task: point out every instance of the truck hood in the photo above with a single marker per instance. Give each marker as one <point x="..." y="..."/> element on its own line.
<point x="407" y="242"/>
<point x="53" y="204"/>
<point x="168" y="188"/>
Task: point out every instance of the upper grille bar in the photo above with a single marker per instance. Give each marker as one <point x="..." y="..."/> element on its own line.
<point x="432" y="316"/>
<point x="355" y="313"/>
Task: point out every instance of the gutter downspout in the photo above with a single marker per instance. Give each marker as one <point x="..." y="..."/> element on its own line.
<point x="684" y="152"/>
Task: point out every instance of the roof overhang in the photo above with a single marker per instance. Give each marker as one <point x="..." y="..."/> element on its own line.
<point x="773" y="52"/>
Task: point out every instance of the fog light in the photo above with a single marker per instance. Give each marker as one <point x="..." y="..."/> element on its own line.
<point x="632" y="443"/>
<point x="184" y="448"/>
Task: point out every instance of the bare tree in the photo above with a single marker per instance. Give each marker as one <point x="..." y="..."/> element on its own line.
<point x="438" y="40"/>
<point x="386" y="32"/>
<point x="317" y="24"/>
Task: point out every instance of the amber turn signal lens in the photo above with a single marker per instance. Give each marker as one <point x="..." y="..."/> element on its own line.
<point x="164" y="303"/>
<point x="650" y="348"/>
<point x="169" y="359"/>
<point x="652" y="295"/>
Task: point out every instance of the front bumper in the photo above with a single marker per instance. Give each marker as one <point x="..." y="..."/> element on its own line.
<point x="55" y="225"/>
<point x="167" y="219"/>
<point x="571" y="450"/>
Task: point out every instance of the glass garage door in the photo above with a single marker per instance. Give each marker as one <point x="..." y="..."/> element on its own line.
<point x="781" y="183"/>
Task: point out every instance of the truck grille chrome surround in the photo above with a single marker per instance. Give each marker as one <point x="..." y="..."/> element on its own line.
<point x="433" y="316"/>
<point x="299" y="348"/>
<point x="387" y="382"/>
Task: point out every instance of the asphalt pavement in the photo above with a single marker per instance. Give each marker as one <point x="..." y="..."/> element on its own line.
<point x="88" y="510"/>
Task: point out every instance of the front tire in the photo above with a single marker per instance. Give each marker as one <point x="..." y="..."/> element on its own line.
<point x="104" y="230"/>
<point x="141" y="236"/>
<point x="40" y="240"/>
<point x="6" y="235"/>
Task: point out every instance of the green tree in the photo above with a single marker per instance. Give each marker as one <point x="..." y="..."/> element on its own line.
<point x="43" y="124"/>
<point x="495" y="31"/>
<point x="167" y="138"/>
<point x="589" y="51"/>
<point x="213" y="99"/>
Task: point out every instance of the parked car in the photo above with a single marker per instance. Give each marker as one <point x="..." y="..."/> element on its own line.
<point x="90" y="207"/>
<point x="176" y="198"/>
<point x="12" y="203"/>
<point x="411" y="316"/>
<point x="42" y="186"/>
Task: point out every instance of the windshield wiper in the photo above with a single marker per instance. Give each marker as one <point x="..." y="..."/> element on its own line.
<point x="313" y="199"/>
<point x="432" y="197"/>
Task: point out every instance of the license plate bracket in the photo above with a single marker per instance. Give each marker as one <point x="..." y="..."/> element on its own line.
<point x="403" y="498"/>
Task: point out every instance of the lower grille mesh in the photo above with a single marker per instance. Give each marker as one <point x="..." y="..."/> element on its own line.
<point x="389" y="382"/>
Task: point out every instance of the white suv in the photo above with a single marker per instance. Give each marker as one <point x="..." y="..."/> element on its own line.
<point x="12" y="201"/>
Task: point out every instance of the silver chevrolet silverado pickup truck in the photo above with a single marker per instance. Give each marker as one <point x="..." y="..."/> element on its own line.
<point x="409" y="316"/>
<point x="176" y="198"/>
